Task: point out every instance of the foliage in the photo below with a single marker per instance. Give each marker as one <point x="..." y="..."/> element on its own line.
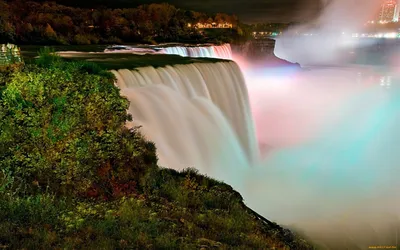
<point x="175" y="210"/>
<point x="47" y="57"/>
<point x="131" y="61"/>
<point x="73" y="177"/>
<point x="270" y="27"/>
<point x="30" y="22"/>
<point x="7" y="30"/>
<point x="81" y="39"/>
<point x="61" y="126"/>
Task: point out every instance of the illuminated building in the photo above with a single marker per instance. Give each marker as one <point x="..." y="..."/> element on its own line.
<point x="389" y="12"/>
<point x="214" y="25"/>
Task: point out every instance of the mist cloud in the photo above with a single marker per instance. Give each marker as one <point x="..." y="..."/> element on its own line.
<point x="324" y="39"/>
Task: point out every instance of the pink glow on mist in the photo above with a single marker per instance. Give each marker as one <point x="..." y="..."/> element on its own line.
<point x="293" y="108"/>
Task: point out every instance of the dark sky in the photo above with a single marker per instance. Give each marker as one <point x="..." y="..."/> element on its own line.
<point x="247" y="10"/>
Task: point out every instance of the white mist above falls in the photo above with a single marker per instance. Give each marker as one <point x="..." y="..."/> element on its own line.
<point x="334" y="167"/>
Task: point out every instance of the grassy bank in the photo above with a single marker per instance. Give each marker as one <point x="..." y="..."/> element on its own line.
<point x="168" y="210"/>
<point x="109" y="61"/>
<point x="72" y="176"/>
<point x="130" y="61"/>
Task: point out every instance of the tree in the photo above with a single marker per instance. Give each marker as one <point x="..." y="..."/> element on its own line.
<point x="49" y="22"/>
<point x="222" y="18"/>
<point x="49" y="33"/>
<point x="7" y="30"/>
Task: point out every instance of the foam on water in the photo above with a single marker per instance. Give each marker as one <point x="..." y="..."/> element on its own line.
<point x="222" y="51"/>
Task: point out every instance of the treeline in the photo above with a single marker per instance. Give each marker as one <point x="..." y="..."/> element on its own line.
<point x="270" y="27"/>
<point x="50" y="23"/>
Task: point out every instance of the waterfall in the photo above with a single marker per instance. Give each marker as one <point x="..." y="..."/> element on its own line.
<point x="197" y="114"/>
<point x="340" y="183"/>
<point x="210" y="51"/>
<point x="335" y="176"/>
<point x="222" y="51"/>
<point x="333" y="168"/>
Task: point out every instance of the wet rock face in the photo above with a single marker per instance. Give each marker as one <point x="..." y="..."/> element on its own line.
<point x="257" y="48"/>
<point x="261" y="52"/>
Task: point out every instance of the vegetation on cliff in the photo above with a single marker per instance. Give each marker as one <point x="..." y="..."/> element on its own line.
<point x="72" y="176"/>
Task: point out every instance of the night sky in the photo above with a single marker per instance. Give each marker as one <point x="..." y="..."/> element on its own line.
<point x="249" y="11"/>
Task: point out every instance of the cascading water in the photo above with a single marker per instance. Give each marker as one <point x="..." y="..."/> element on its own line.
<point x="222" y="51"/>
<point x="337" y="185"/>
<point x="188" y="132"/>
<point x="210" y="51"/>
<point x="186" y="104"/>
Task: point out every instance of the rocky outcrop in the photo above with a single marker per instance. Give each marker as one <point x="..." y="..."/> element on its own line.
<point x="261" y="52"/>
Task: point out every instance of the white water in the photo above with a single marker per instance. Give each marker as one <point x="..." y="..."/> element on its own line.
<point x="187" y="110"/>
<point x="209" y="51"/>
<point x="221" y="52"/>
<point x="334" y="168"/>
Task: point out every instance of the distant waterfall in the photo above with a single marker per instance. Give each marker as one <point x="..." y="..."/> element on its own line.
<point x="197" y="114"/>
<point x="210" y="51"/>
<point x="222" y="51"/>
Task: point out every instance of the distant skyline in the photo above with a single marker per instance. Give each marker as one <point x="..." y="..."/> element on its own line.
<point x="389" y="11"/>
<point x="249" y="11"/>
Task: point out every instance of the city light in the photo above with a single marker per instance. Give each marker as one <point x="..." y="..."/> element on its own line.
<point x="389" y="12"/>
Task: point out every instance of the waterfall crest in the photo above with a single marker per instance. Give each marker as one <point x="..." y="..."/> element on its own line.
<point x="211" y="51"/>
<point x="206" y="100"/>
<point x="222" y="51"/>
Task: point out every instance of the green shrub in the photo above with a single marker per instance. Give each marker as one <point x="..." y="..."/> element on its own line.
<point x="92" y="68"/>
<point x="62" y="40"/>
<point x="63" y="129"/>
<point x="81" y="39"/>
<point x="113" y="40"/>
<point x="47" y="57"/>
